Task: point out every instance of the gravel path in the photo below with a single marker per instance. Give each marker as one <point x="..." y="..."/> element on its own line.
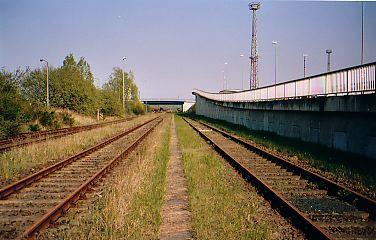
<point x="176" y="216"/>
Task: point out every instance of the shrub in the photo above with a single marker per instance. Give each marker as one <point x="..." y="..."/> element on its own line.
<point x="138" y="108"/>
<point x="110" y="104"/>
<point x="34" y="127"/>
<point x="56" y="123"/>
<point x="9" y="128"/>
<point x="46" y="118"/>
<point x="33" y="112"/>
<point x="11" y="106"/>
<point x="67" y="119"/>
<point x="50" y="120"/>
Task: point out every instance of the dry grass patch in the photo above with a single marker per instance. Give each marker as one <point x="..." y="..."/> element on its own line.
<point x="128" y="205"/>
<point x="81" y="119"/>
<point x="24" y="160"/>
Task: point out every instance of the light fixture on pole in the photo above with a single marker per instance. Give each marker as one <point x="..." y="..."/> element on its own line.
<point x="275" y="61"/>
<point x="362" y="53"/>
<point x="304" y="65"/>
<point x="224" y="79"/>
<point x="124" y="58"/>
<point x="47" y="90"/>
<point x="275" y="68"/>
<point x="328" y="51"/>
<point x="242" y="65"/>
<point x="225" y="75"/>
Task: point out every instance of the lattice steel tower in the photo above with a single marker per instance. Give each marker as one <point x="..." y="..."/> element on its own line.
<point x="254" y="83"/>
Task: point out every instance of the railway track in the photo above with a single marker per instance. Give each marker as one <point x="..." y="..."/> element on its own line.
<point x="33" y="137"/>
<point x="320" y="207"/>
<point x="33" y="203"/>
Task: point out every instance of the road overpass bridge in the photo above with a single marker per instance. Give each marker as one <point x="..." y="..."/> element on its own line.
<point x="335" y="109"/>
<point x="169" y="103"/>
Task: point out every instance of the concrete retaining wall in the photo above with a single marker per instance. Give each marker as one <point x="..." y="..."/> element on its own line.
<point x="344" y="123"/>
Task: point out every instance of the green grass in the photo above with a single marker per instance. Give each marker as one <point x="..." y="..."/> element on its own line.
<point x="144" y="219"/>
<point x="341" y="165"/>
<point x="222" y="204"/>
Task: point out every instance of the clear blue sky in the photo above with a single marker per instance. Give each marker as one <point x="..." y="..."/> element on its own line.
<point x="174" y="46"/>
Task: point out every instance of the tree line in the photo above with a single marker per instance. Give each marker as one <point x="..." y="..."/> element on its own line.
<point x="71" y="86"/>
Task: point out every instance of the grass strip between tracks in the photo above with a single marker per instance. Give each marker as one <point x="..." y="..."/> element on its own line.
<point x="128" y="206"/>
<point x="223" y="207"/>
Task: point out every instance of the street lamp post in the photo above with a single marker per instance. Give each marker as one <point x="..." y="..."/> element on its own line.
<point x="304" y="65"/>
<point x="225" y="76"/>
<point x="275" y="68"/>
<point x="241" y="57"/>
<point x="124" y="58"/>
<point x="47" y="91"/>
<point x="275" y="62"/>
<point x="328" y="51"/>
<point x="362" y="53"/>
<point x="224" y="79"/>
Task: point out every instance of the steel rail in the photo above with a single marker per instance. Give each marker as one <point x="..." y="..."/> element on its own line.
<point x="301" y="219"/>
<point x="64" y="205"/>
<point x="359" y="200"/>
<point x="34" y="137"/>
<point x="12" y="188"/>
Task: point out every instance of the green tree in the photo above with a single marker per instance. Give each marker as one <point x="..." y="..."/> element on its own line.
<point x="69" y="88"/>
<point x="69" y="61"/>
<point x="32" y="85"/>
<point x="110" y="104"/>
<point x="133" y="89"/>
<point x="84" y="68"/>
<point x="115" y="85"/>
<point x="12" y="106"/>
<point x="112" y="92"/>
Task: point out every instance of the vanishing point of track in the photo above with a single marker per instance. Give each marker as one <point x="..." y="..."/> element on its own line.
<point x="33" y="203"/>
<point x="33" y="137"/>
<point x="320" y="207"/>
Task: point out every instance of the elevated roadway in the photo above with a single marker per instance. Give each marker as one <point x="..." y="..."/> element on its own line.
<point x="170" y="103"/>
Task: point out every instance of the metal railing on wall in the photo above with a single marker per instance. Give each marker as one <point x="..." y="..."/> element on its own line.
<point x="355" y="80"/>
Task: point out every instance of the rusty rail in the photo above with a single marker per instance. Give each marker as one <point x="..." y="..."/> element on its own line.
<point x="300" y="218"/>
<point x="359" y="200"/>
<point x="33" y="137"/>
<point x="63" y="206"/>
<point x="12" y="188"/>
